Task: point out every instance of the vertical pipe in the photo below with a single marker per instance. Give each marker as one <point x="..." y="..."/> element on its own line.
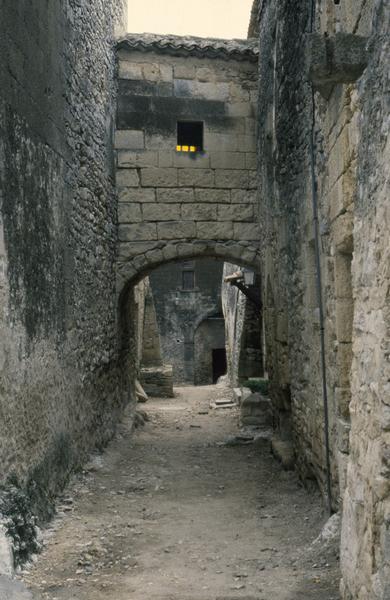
<point x="314" y="190"/>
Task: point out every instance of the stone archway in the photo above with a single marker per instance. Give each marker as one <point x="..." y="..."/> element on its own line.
<point x="131" y="271"/>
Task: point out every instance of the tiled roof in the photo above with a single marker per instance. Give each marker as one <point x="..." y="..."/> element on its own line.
<point x="191" y="46"/>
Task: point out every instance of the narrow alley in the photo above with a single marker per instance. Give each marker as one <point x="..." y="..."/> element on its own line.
<point x="185" y="508"/>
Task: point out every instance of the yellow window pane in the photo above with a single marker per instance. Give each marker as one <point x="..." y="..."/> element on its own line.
<point x="192" y="148"/>
<point x="185" y="148"/>
<point x="178" y="148"/>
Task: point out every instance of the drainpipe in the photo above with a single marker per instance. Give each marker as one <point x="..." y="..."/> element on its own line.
<point x="314" y="192"/>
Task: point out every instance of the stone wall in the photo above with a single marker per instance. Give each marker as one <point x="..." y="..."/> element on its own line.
<point x="349" y="157"/>
<point x="209" y="339"/>
<point x="244" y="332"/>
<point x="179" y="199"/>
<point x="291" y="308"/>
<point x="156" y="378"/>
<point x="151" y="347"/>
<point x="180" y="311"/>
<point x="63" y="385"/>
<point x="365" y="535"/>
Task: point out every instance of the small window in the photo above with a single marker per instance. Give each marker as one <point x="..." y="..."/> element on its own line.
<point x="189" y="136"/>
<point x="188" y="280"/>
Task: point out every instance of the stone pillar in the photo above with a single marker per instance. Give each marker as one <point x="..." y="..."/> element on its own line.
<point x="156" y="378"/>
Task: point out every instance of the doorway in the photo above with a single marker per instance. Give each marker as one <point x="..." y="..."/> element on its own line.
<point x="219" y="363"/>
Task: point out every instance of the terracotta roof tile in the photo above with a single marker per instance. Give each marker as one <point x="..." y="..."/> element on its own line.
<point x="191" y="46"/>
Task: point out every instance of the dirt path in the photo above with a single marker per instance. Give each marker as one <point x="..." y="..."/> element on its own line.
<point x="171" y="513"/>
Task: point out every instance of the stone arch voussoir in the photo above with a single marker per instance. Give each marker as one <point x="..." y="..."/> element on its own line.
<point x="243" y="253"/>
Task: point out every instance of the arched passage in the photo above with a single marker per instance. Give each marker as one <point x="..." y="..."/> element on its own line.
<point x="131" y="273"/>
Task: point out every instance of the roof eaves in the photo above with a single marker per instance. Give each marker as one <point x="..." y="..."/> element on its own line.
<point x="190" y="46"/>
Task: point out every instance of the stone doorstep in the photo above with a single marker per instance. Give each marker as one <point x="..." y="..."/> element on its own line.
<point x="222" y="404"/>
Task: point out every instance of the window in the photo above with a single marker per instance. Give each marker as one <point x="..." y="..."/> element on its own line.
<point x="188" y="280"/>
<point x="189" y="136"/>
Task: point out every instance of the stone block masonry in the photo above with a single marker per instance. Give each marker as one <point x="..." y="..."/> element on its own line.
<point x="158" y="381"/>
<point x="183" y="313"/>
<point x="348" y="62"/>
<point x="170" y="196"/>
<point x="244" y="335"/>
<point x="63" y="384"/>
<point x="156" y="377"/>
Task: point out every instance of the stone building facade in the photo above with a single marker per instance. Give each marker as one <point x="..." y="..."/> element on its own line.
<point x="177" y="204"/>
<point x="187" y="297"/>
<point x="63" y="377"/>
<point x="336" y="137"/>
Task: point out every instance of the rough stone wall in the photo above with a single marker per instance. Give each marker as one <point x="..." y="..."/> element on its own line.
<point x="244" y="335"/>
<point x="350" y="154"/>
<point x="233" y="305"/>
<point x="141" y="291"/>
<point x="156" y="378"/>
<point x="284" y="130"/>
<point x="291" y="305"/>
<point x="338" y="119"/>
<point x="209" y="336"/>
<point x="180" y="311"/>
<point x="151" y="348"/>
<point x="365" y="535"/>
<point x="62" y="384"/>
<point x="175" y="198"/>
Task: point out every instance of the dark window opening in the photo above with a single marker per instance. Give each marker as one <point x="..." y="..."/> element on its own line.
<point x="219" y="363"/>
<point x="189" y="136"/>
<point x="188" y="280"/>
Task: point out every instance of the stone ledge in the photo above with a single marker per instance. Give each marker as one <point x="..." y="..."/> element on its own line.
<point x="332" y="60"/>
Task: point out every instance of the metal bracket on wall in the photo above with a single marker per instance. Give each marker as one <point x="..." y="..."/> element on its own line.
<point x="251" y="291"/>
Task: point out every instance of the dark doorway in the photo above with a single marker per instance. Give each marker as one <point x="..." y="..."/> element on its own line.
<point x="219" y="363"/>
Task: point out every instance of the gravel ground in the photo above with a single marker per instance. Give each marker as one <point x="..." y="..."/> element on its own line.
<point x="171" y="511"/>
